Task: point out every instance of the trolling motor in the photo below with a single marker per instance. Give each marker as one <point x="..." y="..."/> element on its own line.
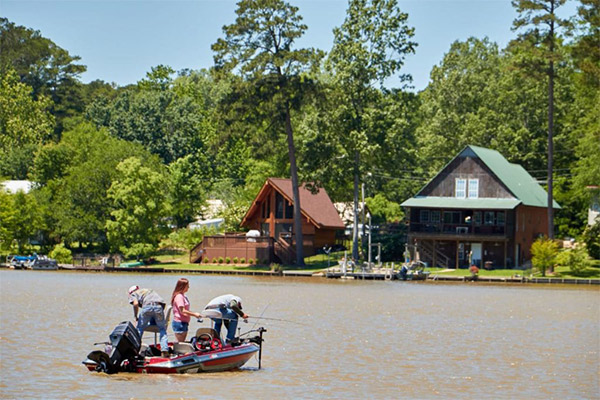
<point x="125" y="343"/>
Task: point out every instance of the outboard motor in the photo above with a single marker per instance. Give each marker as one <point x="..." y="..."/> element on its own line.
<point x="125" y="342"/>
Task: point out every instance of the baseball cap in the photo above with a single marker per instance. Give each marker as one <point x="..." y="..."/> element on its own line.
<point x="133" y="289"/>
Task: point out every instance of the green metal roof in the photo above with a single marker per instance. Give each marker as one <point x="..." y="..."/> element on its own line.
<point x="452" y="202"/>
<point x="517" y="180"/>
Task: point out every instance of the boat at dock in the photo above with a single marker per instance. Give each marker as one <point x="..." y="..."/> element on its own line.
<point x="35" y="262"/>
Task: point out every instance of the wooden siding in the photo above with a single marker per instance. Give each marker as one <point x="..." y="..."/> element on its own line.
<point x="443" y="184"/>
<point x="531" y="223"/>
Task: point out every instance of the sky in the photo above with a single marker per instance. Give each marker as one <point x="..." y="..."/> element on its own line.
<point x="120" y="40"/>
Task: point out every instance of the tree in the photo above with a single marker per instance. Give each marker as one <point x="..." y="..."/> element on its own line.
<point x="544" y="252"/>
<point x="26" y="221"/>
<point x="75" y="175"/>
<point x="139" y="208"/>
<point x="188" y="183"/>
<point x="47" y="68"/>
<point x="260" y="46"/>
<point x="369" y="47"/>
<point x="540" y="42"/>
<point x="168" y="122"/>
<point x="25" y="124"/>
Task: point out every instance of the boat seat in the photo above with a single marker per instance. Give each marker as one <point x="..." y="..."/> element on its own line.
<point x="183" y="348"/>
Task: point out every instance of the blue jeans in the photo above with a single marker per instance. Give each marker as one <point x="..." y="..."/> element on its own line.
<point x="230" y="322"/>
<point x="154" y="315"/>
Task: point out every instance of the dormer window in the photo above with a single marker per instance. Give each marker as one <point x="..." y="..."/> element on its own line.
<point x="473" y="188"/>
<point x="460" y="189"/>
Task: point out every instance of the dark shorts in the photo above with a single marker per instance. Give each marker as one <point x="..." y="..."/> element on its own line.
<point x="180" y="327"/>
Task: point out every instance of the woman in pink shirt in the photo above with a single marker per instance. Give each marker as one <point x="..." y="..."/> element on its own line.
<point x="181" y="310"/>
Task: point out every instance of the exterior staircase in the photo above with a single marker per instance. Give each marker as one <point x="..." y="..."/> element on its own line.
<point x="426" y="252"/>
<point x="284" y="251"/>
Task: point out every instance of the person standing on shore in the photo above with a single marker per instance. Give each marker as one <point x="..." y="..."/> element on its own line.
<point x="181" y="310"/>
<point x="230" y="307"/>
<point x="151" y="309"/>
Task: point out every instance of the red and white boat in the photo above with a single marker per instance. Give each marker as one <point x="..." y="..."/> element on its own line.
<point x="205" y="353"/>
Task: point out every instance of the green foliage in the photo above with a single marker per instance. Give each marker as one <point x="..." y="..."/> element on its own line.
<point x="242" y="260"/>
<point x="139" y="207"/>
<point x="250" y="261"/>
<point x="392" y="238"/>
<point x="544" y="252"/>
<point x="25" y="124"/>
<point x="7" y="215"/>
<point x="75" y="175"/>
<point x="61" y="254"/>
<point x="577" y="260"/>
<point x="227" y="260"/>
<point x="383" y="210"/>
<point x="276" y="268"/>
<point x="188" y="181"/>
<point x="215" y="260"/>
<point x="235" y="260"/>
<point x="47" y="68"/>
<point x="24" y="220"/>
<point x="185" y="238"/>
<point x="220" y="260"/>
<point x="591" y="238"/>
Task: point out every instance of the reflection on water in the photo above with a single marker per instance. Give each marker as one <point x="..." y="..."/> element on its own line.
<point x="360" y="339"/>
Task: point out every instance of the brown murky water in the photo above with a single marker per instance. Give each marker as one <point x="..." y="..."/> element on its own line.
<point x="360" y="339"/>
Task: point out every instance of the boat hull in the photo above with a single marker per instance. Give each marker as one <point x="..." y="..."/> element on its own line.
<point x="228" y="358"/>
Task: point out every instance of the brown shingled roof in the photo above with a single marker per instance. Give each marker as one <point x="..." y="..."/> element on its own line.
<point x="317" y="207"/>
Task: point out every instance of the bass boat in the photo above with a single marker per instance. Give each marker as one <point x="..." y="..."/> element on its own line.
<point x="205" y="353"/>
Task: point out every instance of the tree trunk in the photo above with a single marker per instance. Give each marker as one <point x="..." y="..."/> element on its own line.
<point x="355" y="229"/>
<point x="295" y="188"/>
<point x="551" y="128"/>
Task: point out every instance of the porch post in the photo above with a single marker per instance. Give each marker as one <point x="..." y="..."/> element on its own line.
<point x="505" y="254"/>
<point x="434" y="253"/>
<point x="456" y="265"/>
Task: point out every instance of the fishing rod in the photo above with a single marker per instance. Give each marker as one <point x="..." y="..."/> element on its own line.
<point x="277" y="319"/>
<point x="261" y="314"/>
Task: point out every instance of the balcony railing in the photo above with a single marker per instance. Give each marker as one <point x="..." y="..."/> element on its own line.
<point x="458" y="229"/>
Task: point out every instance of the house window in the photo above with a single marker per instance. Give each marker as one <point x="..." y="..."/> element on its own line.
<point x="451" y="217"/>
<point x="424" y="216"/>
<point x="500" y="218"/>
<point x="279" y="206"/>
<point x="460" y="189"/>
<point x="473" y="188"/>
<point x="477" y="217"/>
<point x="289" y="210"/>
<point x="435" y="217"/>
<point x="488" y="218"/>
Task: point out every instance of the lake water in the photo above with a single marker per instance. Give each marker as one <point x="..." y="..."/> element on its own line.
<point x="358" y="339"/>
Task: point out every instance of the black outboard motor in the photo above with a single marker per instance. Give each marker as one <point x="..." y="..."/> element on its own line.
<point x="125" y="342"/>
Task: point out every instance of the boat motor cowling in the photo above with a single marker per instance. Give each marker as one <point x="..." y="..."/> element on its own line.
<point x="125" y="343"/>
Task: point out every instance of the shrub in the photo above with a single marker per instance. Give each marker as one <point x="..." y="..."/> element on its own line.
<point x="276" y="268"/>
<point x="235" y="260"/>
<point x="242" y="260"/>
<point x="61" y="254"/>
<point x="227" y="260"/>
<point x="205" y="260"/>
<point x="250" y="260"/>
<point x="577" y="260"/>
<point x="544" y="252"/>
<point x="591" y="237"/>
<point x="220" y="260"/>
<point x="214" y="260"/>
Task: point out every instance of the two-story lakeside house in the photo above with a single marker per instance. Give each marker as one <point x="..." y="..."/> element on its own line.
<point x="478" y="209"/>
